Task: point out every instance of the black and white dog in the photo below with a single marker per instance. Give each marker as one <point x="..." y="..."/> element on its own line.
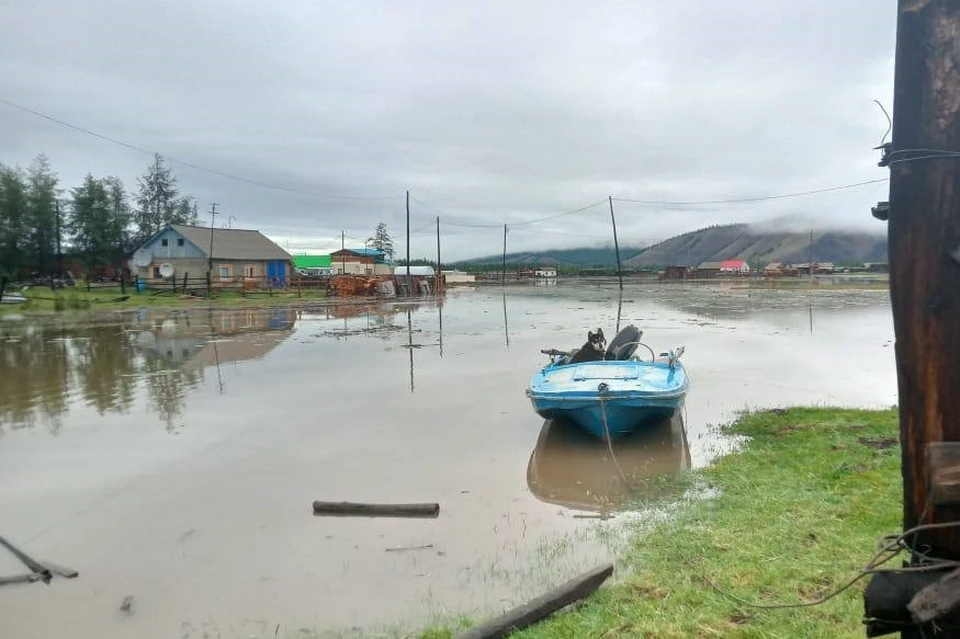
<point x="593" y="350"/>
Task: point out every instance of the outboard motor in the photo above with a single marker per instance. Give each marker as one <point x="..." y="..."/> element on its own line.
<point x="624" y="345"/>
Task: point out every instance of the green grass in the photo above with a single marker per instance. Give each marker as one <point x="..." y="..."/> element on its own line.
<point x="44" y="300"/>
<point x="797" y="512"/>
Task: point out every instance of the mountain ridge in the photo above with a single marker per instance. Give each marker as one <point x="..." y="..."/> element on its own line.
<point x="757" y="246"/>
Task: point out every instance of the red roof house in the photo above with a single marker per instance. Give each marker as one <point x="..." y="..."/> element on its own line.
<point x="734" y="266"/>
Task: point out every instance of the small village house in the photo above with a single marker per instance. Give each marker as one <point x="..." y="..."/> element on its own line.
<point x="734" y="267"/>
<point x="313" y="264"/>
<point x="360" y="261"/>
<point x="708" y="269"/>
<point x="545" y="271"/>
<point x="458" y="277"/>
<point x="238" y="255"/>
<point x="677" y="272"/>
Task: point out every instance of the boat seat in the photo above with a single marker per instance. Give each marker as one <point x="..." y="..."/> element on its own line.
<point x="624" y="345"/>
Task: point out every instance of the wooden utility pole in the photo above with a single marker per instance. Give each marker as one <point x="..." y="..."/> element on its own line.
<point x="810" y="256"/>
<point x="343" y="255"/>
<point x="439" y="275"/>
<point x="924" y="245"/>
<point x="503" y="268"/>
<point x="924" y="252"/>
<point x="408" y="241"/>
<point x="213" y="217"/>
<point x="59" y="249"/>
<point x="616" y="244"/>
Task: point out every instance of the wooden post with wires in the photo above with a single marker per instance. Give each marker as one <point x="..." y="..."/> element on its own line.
<point x="438" y="283"/>
<point x="503" y="267"/>
<point x="924" y="249"/>
<point x="408" y="240"/>
<point x="616" y="244"/>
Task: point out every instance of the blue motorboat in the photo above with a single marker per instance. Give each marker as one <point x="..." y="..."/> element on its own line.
<point x="613" y="394"/>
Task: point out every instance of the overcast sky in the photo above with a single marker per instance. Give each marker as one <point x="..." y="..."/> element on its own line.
<point x="490" y="113"/>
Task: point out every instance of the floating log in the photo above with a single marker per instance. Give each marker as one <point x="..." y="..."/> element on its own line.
<point x="27" y="561"/>
<point x="406" y="548"/>
<point x="541" y="607"/>
<point x="127" y="603"/>
<point x="350" y="509"/>
<point x="22" y="579"/>
<point x="67" y="573"/>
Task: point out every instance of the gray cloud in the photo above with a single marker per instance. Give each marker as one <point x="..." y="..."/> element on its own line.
<point x="497" y="112"/>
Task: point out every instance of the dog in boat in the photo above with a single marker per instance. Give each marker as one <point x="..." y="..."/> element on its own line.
<point x="593" y="350"/>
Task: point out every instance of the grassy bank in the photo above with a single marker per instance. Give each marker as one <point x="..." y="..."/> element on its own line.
<point x="799" y="511"/>
<point x="44" y="300"/>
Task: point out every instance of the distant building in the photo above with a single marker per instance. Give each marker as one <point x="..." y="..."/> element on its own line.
<point x="545" y="271"/>
<point x="876" y="267"/>
<point x="737" y="267"/>
<point x="708" y="269"/>
<point x="237" y="255"/>
<point x="363" y="261"/>
<point x="458" y="277"/>
<point x="313" y="264"/>
<point x="677" y="272"/>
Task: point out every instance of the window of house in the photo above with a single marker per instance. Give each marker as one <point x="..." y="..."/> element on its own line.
<point x="224" y="270"/>
<point x="249" y="270"/>
<point x="164" y="242"/>
<point x="179" y="241"/>
<point x="156" y="272"/>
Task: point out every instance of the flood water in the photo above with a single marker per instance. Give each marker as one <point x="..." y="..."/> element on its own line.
<point x="173" y="456"/>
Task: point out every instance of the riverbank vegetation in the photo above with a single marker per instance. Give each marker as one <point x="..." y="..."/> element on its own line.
<point x="797" y="514"/>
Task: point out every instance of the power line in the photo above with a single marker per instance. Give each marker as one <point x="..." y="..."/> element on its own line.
<point x="754" y="199"/>
<point x="191" y="165"/>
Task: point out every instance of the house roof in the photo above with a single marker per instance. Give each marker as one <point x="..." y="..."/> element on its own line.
<point x="365" y="252"/>
<point x="236" y="244"/>
<point x="312" y="261"/>
<point x="710" y="265"/>
<point x="732" y="264"/>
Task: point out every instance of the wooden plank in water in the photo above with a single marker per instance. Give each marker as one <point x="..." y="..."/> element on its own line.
<point x="541" y="607"/>
<point x="351" y="509"/>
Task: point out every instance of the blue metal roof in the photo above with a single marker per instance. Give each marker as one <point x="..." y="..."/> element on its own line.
<point x="367" y="251"/>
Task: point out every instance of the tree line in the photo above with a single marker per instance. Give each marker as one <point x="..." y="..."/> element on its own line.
<point x="99" y="220"/>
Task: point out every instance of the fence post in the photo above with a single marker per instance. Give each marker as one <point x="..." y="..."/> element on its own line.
<point x="299" y="280"/>
<point x="123" y="286"/>
<point x="88" y="281"/>
<point x="209" y="292"/>
<point x="185" y="282"/>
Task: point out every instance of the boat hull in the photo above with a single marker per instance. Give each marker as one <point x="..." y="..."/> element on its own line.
<point x="614" y="397"/>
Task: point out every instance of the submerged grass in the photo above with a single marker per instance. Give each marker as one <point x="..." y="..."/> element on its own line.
<point x="44" y="300"/>
<point x="798" y="512"/>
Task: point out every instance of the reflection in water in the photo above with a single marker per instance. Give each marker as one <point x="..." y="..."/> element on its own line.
<point x="506" y="328"/>
<point x="45" y="368"/>
<point x="410" y="345"/>
<point x="572" y="469"/>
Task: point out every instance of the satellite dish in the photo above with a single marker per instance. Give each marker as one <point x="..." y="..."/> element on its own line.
<point x="142" y="258"/>
<point x="166" y="269"/>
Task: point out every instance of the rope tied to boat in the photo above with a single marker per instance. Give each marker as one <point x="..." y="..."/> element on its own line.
<point x="602" y="390"/>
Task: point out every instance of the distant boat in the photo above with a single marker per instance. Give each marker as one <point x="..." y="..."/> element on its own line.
<point x="613" y="396"/>
<point x="12" y="298"/>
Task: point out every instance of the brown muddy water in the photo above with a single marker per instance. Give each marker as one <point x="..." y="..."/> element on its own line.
<point x="172" y="456"/>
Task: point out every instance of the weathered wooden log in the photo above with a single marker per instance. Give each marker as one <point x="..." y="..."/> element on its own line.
<point x="22" y="579"/>
<point x="27" y="561"/>
<point x="67" y="573"/>
<point x="936" y="600"/>
<point x="350" y="509"/>
<point x="886" y="603"/>
<point x="541" y="607"/>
